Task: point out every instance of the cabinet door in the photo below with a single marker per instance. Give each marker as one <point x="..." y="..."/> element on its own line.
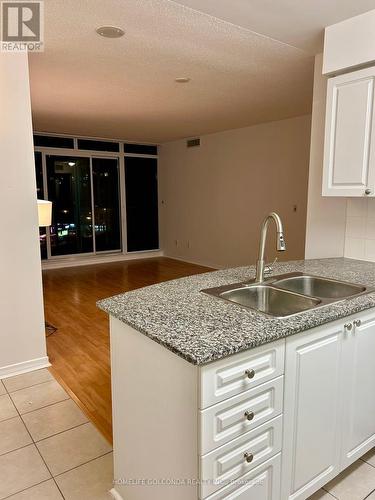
<point x="349" y="168"/>
<point x="311" y="402"/>
<point x="359" y="390"/>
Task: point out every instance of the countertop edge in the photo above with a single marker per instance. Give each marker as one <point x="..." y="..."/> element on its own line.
<point x="332" y="317"/>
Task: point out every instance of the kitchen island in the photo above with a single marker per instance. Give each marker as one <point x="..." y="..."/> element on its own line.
<point x="212" y="400"/>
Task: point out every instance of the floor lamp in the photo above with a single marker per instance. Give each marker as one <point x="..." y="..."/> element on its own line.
<point x="45" y="220"/>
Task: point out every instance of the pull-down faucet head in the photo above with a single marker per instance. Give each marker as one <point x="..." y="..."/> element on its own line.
<point x="280" y="243"/>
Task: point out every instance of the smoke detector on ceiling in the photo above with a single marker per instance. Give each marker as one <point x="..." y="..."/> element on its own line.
<point x="110" y="31"/>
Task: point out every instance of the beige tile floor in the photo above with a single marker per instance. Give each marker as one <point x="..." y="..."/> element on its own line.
<point x="50" y="451"/>
<point x="357" y="482"/>
<point x="48" y="448"/>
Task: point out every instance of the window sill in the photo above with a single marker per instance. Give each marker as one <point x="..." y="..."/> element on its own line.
<point x="73" y="261"/>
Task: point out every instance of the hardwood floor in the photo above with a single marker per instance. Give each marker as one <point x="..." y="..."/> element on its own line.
<point x="79" y="349"/>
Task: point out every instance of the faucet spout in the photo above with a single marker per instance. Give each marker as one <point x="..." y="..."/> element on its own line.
<point x="280" y="243"/>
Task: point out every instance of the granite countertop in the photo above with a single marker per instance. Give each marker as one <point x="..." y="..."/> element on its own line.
<point x="201" y="328"/>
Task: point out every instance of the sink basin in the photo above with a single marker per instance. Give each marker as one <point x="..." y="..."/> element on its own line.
<point x="319" y="287"/>
<point x="288" y="294"/>
<point x="270" y="300"/>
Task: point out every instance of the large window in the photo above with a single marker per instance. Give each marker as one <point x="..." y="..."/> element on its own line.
<point x="97" y="187"/>
<point x="69" y="189"/>
<point x="107" y="204"/>
<point x="141" y="203"/>
<point x="40" y="196"/>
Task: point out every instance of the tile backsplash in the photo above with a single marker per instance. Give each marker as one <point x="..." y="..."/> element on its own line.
<point x="360" y="229"/>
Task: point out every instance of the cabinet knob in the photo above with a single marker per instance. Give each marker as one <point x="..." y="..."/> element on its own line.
<point x="357" y="322"/>
<point x="250" y="373"/>
<point x="248" y="457"/>
<point x="367" y="191"/>
<point x="249" y="415"/>
<point x="348" y="326"/>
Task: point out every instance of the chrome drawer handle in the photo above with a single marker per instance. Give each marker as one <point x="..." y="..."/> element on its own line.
<point x="348" y="326"/>
<point x="248" y="457"/>
<point x="357" y="322"/>
<point x="249" y="415"/>
<point x="250" y="373"/>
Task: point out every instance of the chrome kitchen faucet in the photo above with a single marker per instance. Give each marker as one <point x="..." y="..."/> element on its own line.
<point x="280" y="243"/>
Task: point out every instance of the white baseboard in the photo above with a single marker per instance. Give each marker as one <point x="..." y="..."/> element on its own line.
<point x="24" y="367"/>
<point x="115" y="494"/>
<point x="196" y="262"/>
<point x="62" y="262"/>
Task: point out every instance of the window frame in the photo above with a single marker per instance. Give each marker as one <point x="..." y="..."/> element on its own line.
<point x="121" y="157"/>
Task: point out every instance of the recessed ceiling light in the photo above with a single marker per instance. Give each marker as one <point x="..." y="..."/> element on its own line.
<point x="182" y="79"/>
<point x="110" y="31"/>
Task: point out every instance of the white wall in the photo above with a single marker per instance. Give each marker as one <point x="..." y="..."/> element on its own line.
<point x="325" y="226"/>
<point x="214" y="197"/>
<point x="22" y="338"/>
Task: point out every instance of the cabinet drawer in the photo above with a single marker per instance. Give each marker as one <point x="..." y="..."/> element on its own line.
<point x="228" y="463"/>
<point x="226" y="378"/>
<point x="235" y="416"/>
<point x="262" y="483"/>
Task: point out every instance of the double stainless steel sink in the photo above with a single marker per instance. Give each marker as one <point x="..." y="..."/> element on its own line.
<point x="288" y="294"/>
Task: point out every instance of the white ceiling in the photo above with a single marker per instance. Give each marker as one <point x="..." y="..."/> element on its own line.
<point x="124" y="88"/>
<point x="296" y="22"/>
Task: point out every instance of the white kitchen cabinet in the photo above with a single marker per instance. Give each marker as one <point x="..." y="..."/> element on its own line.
<point x="349" y="44"/>
<point x="235" y="416"/>
<point x="162" y="403"/>
<point x="261" y="483"/>
<point x="311" y="411"/>
<point x="329" y="402"/>
<point x="223" y="428"/>
<point x="228" y="463"/>
<point x="349" y="148"/>
<point x="227" y="377"/>
<point x="358" y="416"/>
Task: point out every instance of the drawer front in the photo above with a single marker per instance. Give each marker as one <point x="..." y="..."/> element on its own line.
<point x="262" y="483"/>
<point x="231" y="376"/>
<point x="229" y="462"/>
<point x="231" y="418"/>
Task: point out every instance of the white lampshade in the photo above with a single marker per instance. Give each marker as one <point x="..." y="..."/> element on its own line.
<point x="44" y="213"/>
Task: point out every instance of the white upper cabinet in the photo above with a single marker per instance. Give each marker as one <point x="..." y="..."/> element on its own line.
<point x="349" y="44"/>
<point x="349" y="149"/>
